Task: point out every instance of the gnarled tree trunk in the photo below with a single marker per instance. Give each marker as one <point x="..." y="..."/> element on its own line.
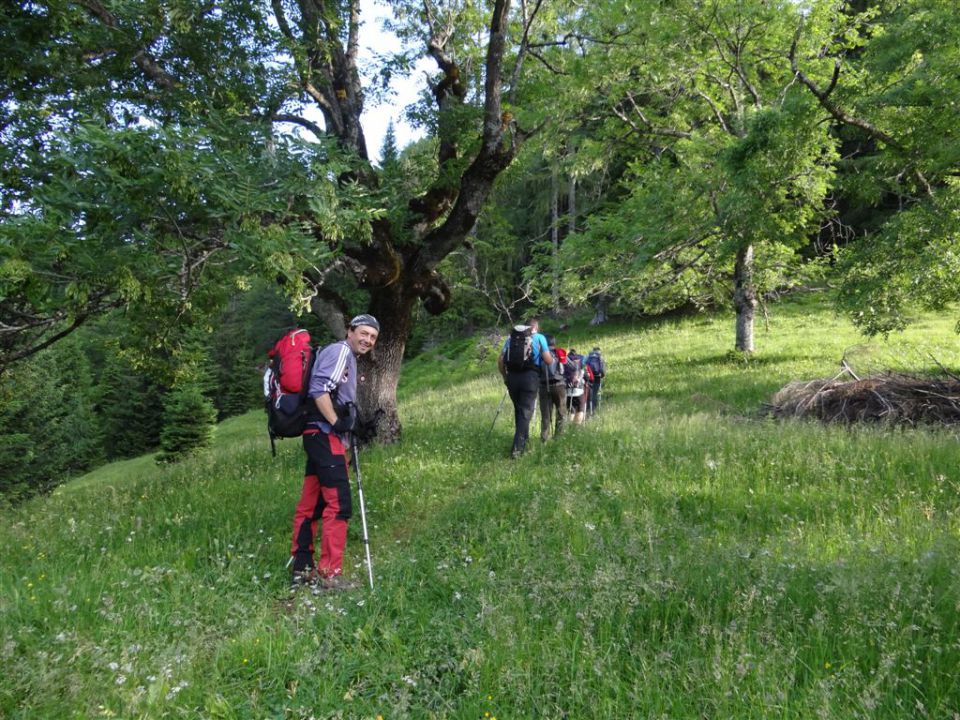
<point x="398" y="266"/>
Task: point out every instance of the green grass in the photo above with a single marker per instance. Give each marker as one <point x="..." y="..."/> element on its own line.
<point x="680" y="556"/>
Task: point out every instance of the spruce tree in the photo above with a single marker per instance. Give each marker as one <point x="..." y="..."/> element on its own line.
<point x="189" y="416"/>
<point x="48" y="429"/>
<point x="389" y="155"/>
<point x="188" y="422"/>
<point x="130" y="405"/>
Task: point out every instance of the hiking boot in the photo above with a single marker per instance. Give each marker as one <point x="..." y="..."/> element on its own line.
<point x="304" y="578"/>
<point x="336" y="583"/>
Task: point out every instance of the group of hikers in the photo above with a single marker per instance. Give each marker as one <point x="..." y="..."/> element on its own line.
<point x="323" y="393"/>
<point x="567" y="385"/>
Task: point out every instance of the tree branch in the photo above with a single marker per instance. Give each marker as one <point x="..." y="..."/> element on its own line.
<point x="524" y="45"/>
<point x="142" y="59"/>
<point x="823" y="97"/>
<point x="302" y="122"/>
<point x="281" y="18"/>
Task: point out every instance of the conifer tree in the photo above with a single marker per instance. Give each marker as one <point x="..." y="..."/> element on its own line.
<point x="48" y="429"/>
<point x="131" y="409"/>
<point x="189" y="416"/>
<point x="389" y="155"/>
<point x="188" y="422"/>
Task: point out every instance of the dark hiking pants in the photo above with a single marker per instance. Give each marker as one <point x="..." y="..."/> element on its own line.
<point x="523" y="387"/>
<point x="553" y="398"/>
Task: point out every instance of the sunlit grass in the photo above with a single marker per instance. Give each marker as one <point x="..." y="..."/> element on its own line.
<point x="681" y="555"/>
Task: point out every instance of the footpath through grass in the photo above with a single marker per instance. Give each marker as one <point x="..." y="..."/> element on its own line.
<point x="679" y="556"/>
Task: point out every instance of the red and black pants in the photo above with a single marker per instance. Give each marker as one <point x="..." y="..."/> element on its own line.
<point x="325" y="499"/>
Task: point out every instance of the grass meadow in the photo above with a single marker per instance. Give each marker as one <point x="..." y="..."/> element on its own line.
<point x="679" y="556"/>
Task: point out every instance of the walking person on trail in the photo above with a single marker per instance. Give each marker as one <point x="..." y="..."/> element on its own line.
<point x="597" y="365"/>
<point x="575" y="375"/>
<point x="326" y="497"/>
<point x="553" y="392"/>
<point x="523" y="359"/>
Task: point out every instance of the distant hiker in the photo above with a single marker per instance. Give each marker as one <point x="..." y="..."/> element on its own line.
<point x="598" y="367"/>
<point x="575" y="377"/>
<point x="524" y="357"/>
<point x="326" y="488"/>
<point x="553" y="392"/>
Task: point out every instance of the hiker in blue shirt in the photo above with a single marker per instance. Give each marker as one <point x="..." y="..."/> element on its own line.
<point x="524" y="357"/>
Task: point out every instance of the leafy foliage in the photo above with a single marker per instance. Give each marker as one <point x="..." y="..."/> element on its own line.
<point x="160" y="221"/>
<point x="911" y="263"/>
<point x="882" y="75"/>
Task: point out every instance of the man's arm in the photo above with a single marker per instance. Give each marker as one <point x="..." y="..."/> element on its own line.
<point x="325" y="406"/>
<point x="545" y="355"/>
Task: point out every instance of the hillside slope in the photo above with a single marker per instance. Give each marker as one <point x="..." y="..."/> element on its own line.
<point x="679" y="556"/>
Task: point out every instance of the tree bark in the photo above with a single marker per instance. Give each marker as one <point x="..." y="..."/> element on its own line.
<point x="744" y="298"/>
<point x="600" y="311"/>
<point x="380" y="369"/>
<point x="555" y="240"/>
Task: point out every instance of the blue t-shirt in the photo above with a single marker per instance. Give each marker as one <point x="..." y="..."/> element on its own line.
<point x="538" y="344"/>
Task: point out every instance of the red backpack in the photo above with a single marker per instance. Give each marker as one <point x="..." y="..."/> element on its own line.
<point x="286" y="385"/>
<point x="290" y="356"/>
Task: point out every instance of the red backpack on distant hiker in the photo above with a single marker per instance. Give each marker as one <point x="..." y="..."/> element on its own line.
<point x="286" y="383"/>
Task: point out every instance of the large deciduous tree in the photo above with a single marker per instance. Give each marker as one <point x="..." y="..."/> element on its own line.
<point x="884" y="73"/>
<point x="731" y="162"/>
<point x="143" y="166"/>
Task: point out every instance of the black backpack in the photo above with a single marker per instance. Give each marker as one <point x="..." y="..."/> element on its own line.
<point x="573" y="371"/>
<point x="519" y="354"/>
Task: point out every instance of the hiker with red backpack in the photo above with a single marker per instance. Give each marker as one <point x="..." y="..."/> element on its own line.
<point x="325" y="497"/>
<point x="523" y="359"/>
<point x="553" y="392"/>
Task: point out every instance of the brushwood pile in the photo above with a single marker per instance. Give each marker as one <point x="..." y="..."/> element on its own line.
<point x="889" y="397"/>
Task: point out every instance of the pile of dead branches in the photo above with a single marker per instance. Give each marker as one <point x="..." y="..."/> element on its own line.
<point x="891" y="397"/>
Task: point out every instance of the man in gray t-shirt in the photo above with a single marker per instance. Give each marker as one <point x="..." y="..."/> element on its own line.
<point x="326" y="487"/>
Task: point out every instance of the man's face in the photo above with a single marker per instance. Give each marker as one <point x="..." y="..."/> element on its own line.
<point x="361" y="339"/>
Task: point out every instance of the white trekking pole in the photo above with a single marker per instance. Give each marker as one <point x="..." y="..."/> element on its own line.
<point x="363" y="511"/>
<point x="499" y="408"/>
